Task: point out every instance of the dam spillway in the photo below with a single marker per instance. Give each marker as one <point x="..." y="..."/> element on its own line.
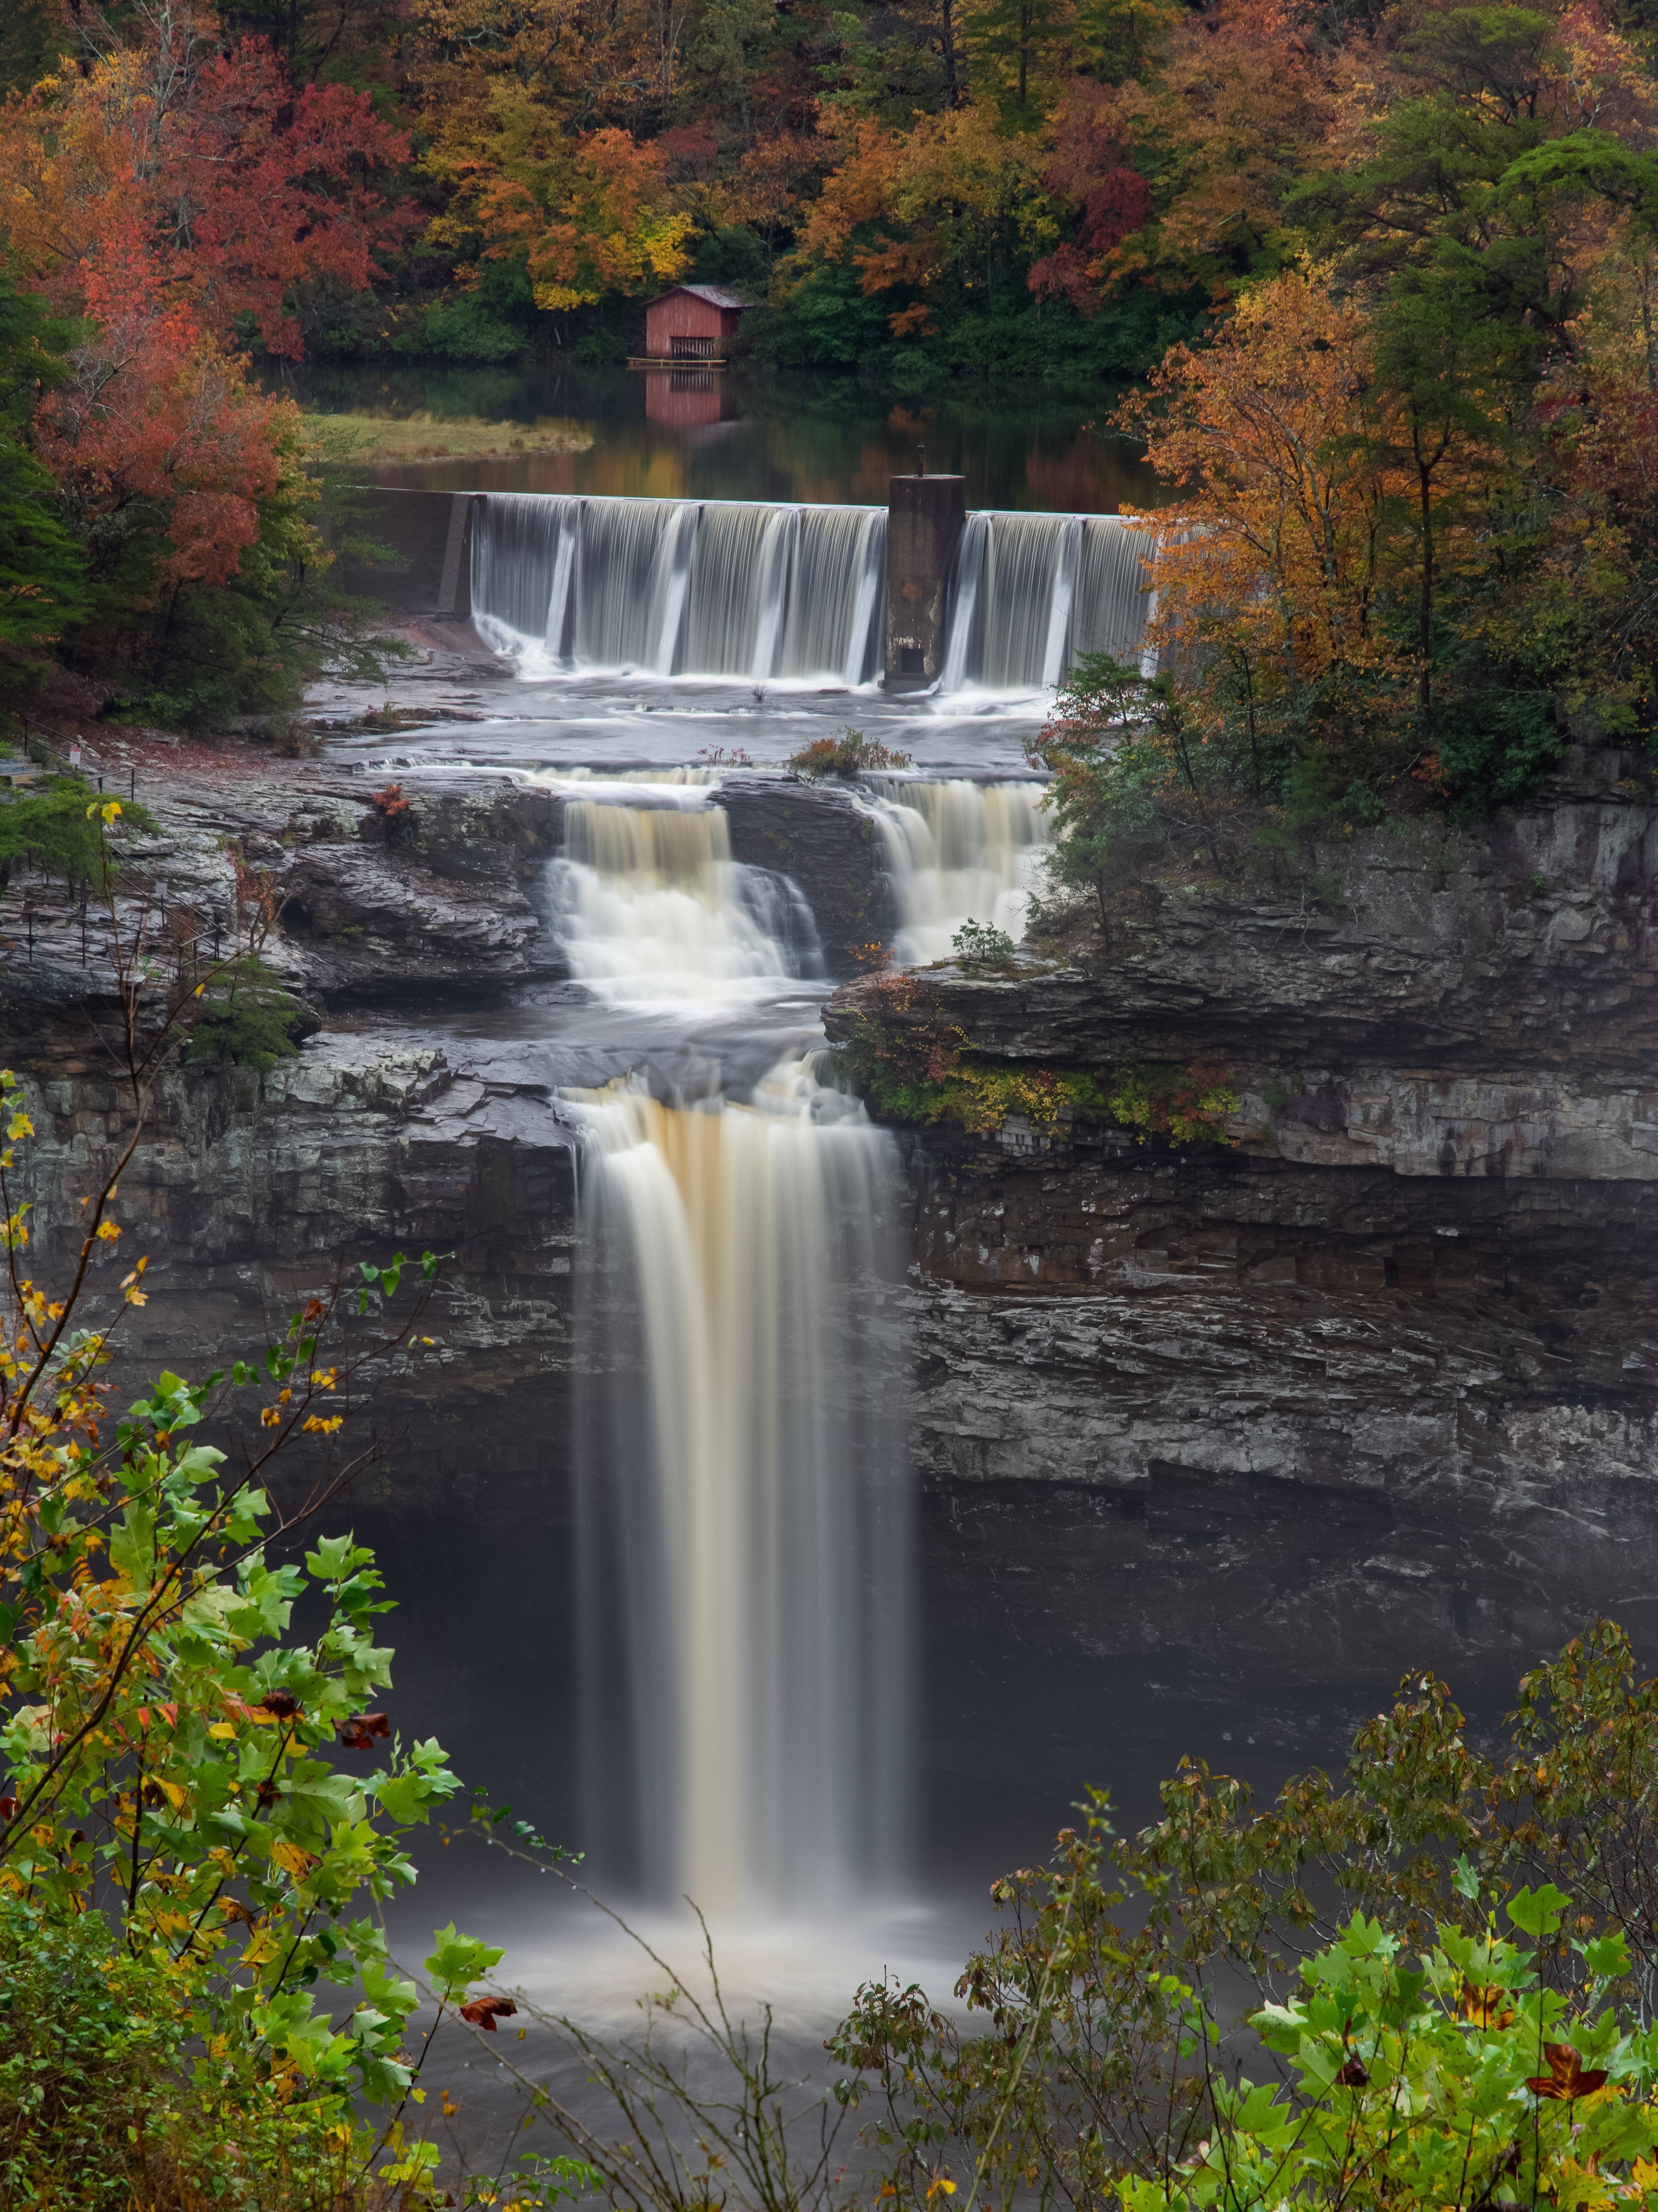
<point x="682" y="587"/>
<point x="727" y="589"/>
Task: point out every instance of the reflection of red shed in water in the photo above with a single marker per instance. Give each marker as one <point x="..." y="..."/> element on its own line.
<point x="687" y="399"/>
<point x="694" y="322"/>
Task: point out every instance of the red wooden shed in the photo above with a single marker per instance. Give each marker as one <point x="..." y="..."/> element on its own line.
<point x="694" y="322"/>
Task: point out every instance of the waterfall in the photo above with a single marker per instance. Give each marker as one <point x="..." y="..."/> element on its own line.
<point x="1032" y="591"/>
<point x="958" y="852"/>
<point x="522" y="554"/>
<point x="1112" y="604"/>
<point x="832" y="616"/>
<point x="681" y="588"/>
<point x="963" y="626"/>
<point x="737" y="589"/>
<point x="746" y="1568"/>
<point x="648" y="903"/>
<point x="745" y="1562"/>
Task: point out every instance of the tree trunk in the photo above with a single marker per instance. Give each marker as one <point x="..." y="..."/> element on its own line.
<point x="947" y="52"/>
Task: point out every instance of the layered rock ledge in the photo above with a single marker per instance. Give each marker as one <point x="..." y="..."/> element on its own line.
<point x="1375" y="1379"/>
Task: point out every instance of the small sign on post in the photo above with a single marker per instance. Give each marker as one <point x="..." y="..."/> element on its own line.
<point x="74" y="754"/>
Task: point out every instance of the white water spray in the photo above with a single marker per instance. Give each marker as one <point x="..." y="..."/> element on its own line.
<point x="650" y="908"/>
<point x="745" y="1567"/>
<point x="960" y="852"/>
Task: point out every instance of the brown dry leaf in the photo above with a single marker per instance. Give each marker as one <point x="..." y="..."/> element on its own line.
<point x="358" y="1733"/>
<point x="484" y="2011"/>
<point x="1567" y="2077"/>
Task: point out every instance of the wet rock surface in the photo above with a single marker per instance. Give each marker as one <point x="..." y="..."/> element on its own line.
<point x="1243" y="1428"/>
<point x="1374" y="1384"/>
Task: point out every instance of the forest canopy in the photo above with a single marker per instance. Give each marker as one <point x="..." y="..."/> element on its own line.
<point x="1384" y="269"/>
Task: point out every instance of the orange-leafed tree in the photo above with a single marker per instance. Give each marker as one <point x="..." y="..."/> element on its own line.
<point x="1278" y="546"/>
<point x="600" y="216"/>
<point x="934" y="208"/>
<point x="613" y="227"/>
<point x="1178" y="176"/>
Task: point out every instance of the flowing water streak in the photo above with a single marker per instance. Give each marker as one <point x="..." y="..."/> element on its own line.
<point x="779" y="550"/>
<point x="681" y="588"/>
<point x="723" y="605"/>
<point x="516" y="545"/>
<point x="958" y="852"/>
<point x="831" y="618"/>
<point x="963" y="627"/>
<point x="1113" y="605"/>
<point x="1031" y="593"/>
<point x="1066" y="551"/>
<point x="648" y="904"/>
<point x="759" y="1556"/>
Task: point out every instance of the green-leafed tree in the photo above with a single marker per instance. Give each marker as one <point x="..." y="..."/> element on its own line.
<point x="41" y="569"/>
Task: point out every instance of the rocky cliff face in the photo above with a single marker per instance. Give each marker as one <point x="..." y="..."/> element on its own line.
<point x="385" y="1129"/>
<point x="1373" y="1382"/>
<point x="1245" y="1428"/>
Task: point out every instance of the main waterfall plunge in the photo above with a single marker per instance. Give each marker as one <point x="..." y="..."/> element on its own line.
<point x="719" y="588"/>
<point x="751" y="1538"/>
<point x="745" y="1569"/>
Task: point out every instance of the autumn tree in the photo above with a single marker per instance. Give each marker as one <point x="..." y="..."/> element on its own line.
<point x="247" y="192"/>
<point x="1274" y="567"/>
<point x="1222" y="124"/>
<point x="923" y="217"/>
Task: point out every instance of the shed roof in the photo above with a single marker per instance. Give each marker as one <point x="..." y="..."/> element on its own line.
<point x="717" y="295"/>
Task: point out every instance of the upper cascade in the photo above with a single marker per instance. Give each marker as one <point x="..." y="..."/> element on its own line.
<point x="649" y="907"/>
<point x="959" y="852"/>
<point x="724" y="588"/>
<point x="682" y="587"/>
<point x="1033" y="593"/>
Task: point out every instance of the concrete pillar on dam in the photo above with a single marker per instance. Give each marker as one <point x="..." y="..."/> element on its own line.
<point x="430" y="535"/>
<point x="926" y="516"/>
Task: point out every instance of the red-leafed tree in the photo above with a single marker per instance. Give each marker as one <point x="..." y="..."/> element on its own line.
<point x="261" y="191"/>
<point x="244" y="190"/>
<point x="1089" y="170"/>
<point x="162" y="448"/>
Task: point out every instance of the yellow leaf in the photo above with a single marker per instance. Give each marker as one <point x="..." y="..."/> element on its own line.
<point x="291" y="1858"/>
<point x="222" y="1728"/>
